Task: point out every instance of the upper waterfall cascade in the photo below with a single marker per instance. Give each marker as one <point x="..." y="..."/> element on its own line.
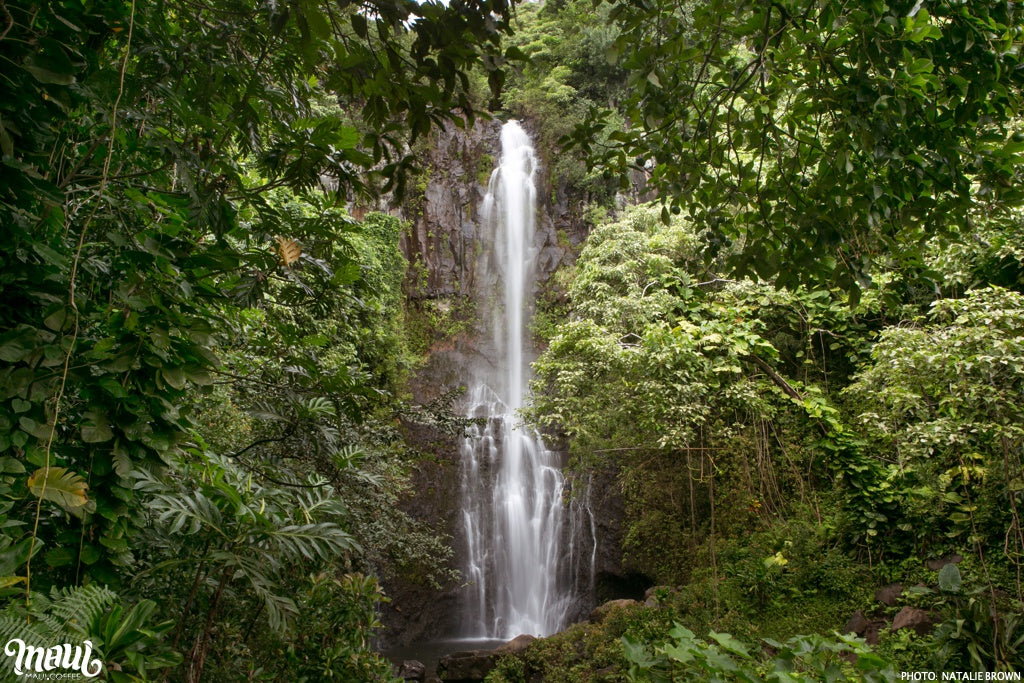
<point x="512" y="484"/>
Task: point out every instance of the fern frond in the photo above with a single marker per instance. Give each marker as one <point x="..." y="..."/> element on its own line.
<point x="62" y="630"/>
<point x="318" y="500"/>
<point x="40" y="603"/>
<point x="315" y="407"/>
<point x="281" y="609"/>
<point x="187" y="513"/>
<point x="32" y="632"/>
<point x="65" y="615"/>
<point x="324" y="540"/>
<point x="79" y="607"/>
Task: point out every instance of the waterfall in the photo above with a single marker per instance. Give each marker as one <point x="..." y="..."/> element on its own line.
<point x="512" y="485"/>
<point x="583" y="536"/>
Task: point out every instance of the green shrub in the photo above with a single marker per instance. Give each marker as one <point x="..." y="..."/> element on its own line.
<point x="681" y="656"/>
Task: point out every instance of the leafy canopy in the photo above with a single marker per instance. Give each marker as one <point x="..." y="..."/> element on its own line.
<point x="820" y="136"/>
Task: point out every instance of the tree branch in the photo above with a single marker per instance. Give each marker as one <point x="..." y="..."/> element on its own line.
<point x="775" y="377"/>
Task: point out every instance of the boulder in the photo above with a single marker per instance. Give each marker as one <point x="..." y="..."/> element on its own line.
<point x="601" y="612"/>
<point x="654" y="595"/>
<point x="870" y="634"/>
<point x="865" y="628"/>
<point x="857" y="624"/>
<point x="937" y="564"/>
<point x="889" y="595"/>
<point x="516" y="645"/>
<point x="412" y="670"/>
<point x="471" y="666"/>
<point x="913" y="617"/>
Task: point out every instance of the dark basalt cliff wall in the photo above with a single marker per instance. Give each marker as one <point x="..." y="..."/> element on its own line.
<point x="443" y="243"/>
<point x="443" y="246"/>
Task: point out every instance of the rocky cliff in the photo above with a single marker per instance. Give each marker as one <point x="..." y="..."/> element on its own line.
<point x="443" y="242"/>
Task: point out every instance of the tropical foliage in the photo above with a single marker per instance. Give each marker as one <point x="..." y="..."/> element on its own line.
<point x="801" y="361"/>
<point x="199" y="346"/>
<point x="777" y="448"/>
<point x="820" y="136"/>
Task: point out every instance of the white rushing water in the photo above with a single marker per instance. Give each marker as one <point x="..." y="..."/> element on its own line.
<point x="512" y="485"/>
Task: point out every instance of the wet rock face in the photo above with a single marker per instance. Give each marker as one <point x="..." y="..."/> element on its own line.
<point x="445" y="223"/>
<point x="606" y="500"/>
<point x="443" y="241"/>
<point x="595" y="512"/>
<point x="412" y="670"/>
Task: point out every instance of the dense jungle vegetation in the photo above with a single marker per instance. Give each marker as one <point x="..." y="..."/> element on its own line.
<point x="802" y="356"/>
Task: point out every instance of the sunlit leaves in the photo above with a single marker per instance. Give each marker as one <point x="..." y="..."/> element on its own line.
<point x="652" y="354"/>
<point x="943" y="395"/>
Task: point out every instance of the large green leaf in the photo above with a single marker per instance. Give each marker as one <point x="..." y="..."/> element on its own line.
<point x="17" y="344"/>
<point x="96" y="428"/>
<point x="949" y="579"/>
<point x="13" y="556"/>
<point x="60" y="485"/>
